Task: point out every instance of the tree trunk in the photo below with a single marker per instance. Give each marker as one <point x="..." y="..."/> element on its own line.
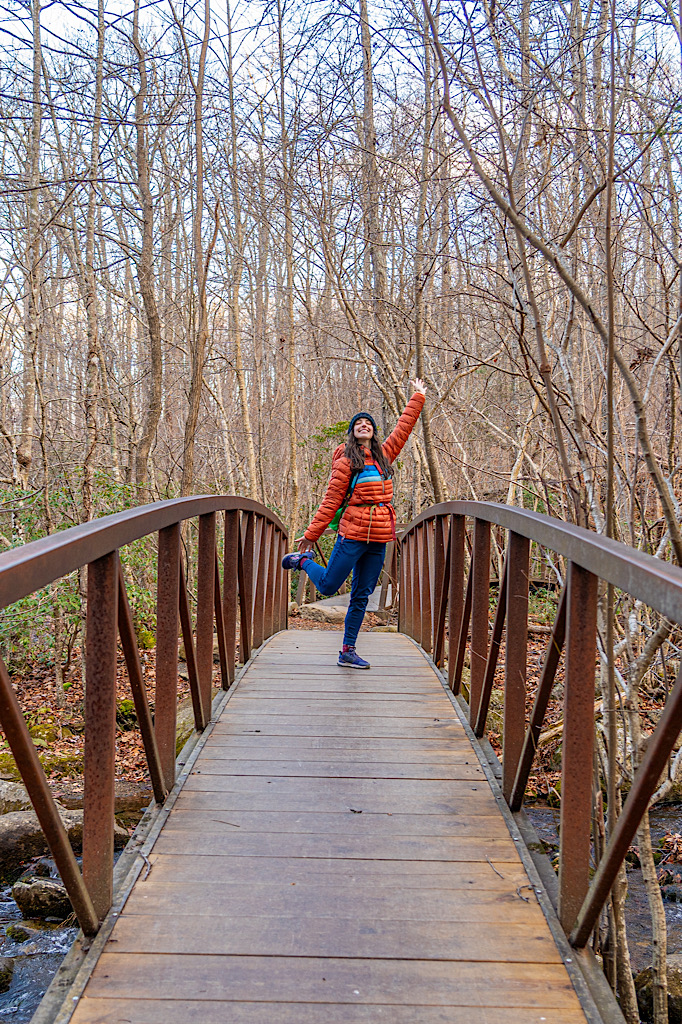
<point x="198" y="347"/>
<point x="90" y="283"/>
<point x="24" y="456"/>
<point x="145" y="272"/>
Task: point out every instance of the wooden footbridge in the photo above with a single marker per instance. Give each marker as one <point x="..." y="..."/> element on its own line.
<point x="334" y="845"/>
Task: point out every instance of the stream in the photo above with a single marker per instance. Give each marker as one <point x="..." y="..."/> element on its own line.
<point x="667" y="818"/>
<point x="35" y="960"/>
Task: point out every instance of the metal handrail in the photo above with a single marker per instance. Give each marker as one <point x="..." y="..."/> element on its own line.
<point x="433" y="592"/>
<point x="252" y="604"/>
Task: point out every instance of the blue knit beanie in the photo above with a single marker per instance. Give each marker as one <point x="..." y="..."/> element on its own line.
<point x="361" y="416"/>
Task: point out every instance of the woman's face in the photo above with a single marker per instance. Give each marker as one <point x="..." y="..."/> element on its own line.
<point x="363" y="430"/>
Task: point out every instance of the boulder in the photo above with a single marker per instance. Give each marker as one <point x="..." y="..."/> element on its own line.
<point x="673" y="893"/>
<point x="17" y="933"/>
<point x="21" y="837"/>
<point x="293" y="608"/>
<point x="13" y="797"/>
<point x="184" y="726"/>
<point x="6" y="972"/>
<point x="323" y="613"/>
<point x="645" y="997"/>
<point x="384" y="629"/>
<point x="41" y="897"/>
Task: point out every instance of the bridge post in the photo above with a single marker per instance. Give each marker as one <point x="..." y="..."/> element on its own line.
<point x="425" y="617"/>
<point x="260" y="568"/>
<point x="100" y="731"/>
<point x="245" y="576"/>
<point x="167" y="603"/>
<point x="578" y="743"/>
<point x="516" y="652"/>
<point x="205" y="606"/>
<point x="230" y="589"/>
<point x="455" y="593"/>
<point x="480" y="611"/>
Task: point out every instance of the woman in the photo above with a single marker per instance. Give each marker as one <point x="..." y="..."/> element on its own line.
<point x="361" y="474"/>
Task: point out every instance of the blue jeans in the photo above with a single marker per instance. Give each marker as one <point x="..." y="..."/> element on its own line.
<point x="365" y="561"/>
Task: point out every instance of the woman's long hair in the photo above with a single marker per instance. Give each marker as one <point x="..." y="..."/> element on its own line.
<point x="356" y="453"/>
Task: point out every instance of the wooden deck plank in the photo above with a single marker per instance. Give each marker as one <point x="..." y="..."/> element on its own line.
<point x="340" y="769"/>
<point x="367" y="936"/>
<point x="348" y="824"/>
<point x="411" y="798"/>
<point x="348" y="902"/>
<point x="493" y="876"/>
<point x="167" y="1011"/>
<point x="335" y="980"/>
<point x="291" y="844"/>
<point x="335" y="855"/>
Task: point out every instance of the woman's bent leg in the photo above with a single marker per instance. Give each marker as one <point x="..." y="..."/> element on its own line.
<point x="367" y="571"/>
<point x="339" y="567"/>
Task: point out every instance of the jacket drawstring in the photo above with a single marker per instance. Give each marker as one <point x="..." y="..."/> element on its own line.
<point x="378" y="504"/>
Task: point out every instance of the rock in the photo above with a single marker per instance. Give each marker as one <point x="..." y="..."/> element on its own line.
<point x="323" y="613"/>
<point x="644" y="988"/>
<point x="126" y="717"/>
<point x="21" y="837"/>
<point x="184" y="724"/>
<point x="42" y="897"/>
<point x="293" y="608"/>
<point x="13" y="797"/>
<point x="384" y="629"/>
<point x="17" y="933"/>
<point x="6" y="972"/>
<point x="673" y="893"/>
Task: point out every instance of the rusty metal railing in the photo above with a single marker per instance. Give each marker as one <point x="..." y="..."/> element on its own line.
<point x="433" y="593"/>
<point x="251" y="604"/>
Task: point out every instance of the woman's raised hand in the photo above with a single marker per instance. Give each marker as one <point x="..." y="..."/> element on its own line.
<point x="304" y="545"/>
<point x="418" y="385"/>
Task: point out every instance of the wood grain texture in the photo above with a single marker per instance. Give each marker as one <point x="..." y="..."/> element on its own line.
<point x="337" y="856"/>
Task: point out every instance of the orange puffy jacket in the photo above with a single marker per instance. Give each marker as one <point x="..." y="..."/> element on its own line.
<point x="369" y="516"/>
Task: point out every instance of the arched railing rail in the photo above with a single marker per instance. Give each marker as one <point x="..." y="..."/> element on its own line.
<point x="249" y="607"/>
<point x="433" y="593"/>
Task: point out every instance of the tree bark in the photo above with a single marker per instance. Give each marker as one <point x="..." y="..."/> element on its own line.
<point x="145" y="267"/>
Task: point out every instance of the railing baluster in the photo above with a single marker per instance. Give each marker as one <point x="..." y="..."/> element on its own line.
<point x="516" y="657"/>
<point x="480" y="607"/>
<point x="441" y="592"/>
<point x="269" y="612"/>
<point x="200" y="720"/>
<point x="260" y="570"/>
<point x="413" y="583"/>
<point x="205" y="606"/>
<point x="131" y="653"/>
<point x="463" y="634"/>
<point x="283" y="585"/>
<point x="455" y="595"/>
<point x="230" y="590"/>
<point x="426" y="556"/>
<point x="245" y="576"/>
<point x="220" y="626"/>
<point x="166" y="685"/>
<point x="659" y="747"/>
<point x="100" y="731"/>
<point x="480" y="714"/>
<point x="437" y="575"/>
<point x="542" y="695"/>
<point x="33" y="777"/>
<point x="405" y="587"/>
<point x="578" y="743"/>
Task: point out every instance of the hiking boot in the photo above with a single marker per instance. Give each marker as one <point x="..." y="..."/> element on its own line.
<point x="351" y="659"/>
<point x="295" y="560"/>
